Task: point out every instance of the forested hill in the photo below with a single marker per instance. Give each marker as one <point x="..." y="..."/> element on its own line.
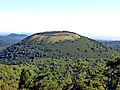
<point x="11" y="39"/>
<point x="114" y="44"/>
<point x="55" y="45"/>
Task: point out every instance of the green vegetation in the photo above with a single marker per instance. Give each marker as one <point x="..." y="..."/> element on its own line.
<point x="113" y="74"/>
<point x="59" y="74"/>
<point x="62" y="64"/>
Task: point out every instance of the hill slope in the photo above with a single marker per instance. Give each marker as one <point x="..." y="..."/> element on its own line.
<point x="10" y="39"/>
<point x="114" y="44"/>
<point x="58" y="44"/>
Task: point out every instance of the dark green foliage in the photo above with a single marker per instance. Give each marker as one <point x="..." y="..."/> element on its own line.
<point x="113" y="74"/>
<point x="52" y="74"/>
<point x="24" y="79"/>
<point x="58" y="74"/>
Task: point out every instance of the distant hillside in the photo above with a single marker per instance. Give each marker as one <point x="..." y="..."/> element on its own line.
<point x="10" y="39"/>
<point x="114" y="44"/>
<point x="16" y="36"/>
<point x="58" y="44"/>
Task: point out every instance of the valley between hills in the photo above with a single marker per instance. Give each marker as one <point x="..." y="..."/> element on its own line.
<point x="58" y="60"/>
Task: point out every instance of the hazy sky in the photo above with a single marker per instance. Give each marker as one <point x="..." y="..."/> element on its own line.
<point x="92" y="18"/>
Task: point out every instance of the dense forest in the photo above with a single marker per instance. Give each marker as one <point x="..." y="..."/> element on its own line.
<point x="59" y="61"/>
<point x="59" y="74"/>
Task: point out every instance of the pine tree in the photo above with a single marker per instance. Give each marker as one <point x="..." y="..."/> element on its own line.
<point x="24" y="78"/>
<point x="113" y="74"/>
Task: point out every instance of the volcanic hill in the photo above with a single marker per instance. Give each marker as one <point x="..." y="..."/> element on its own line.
<point x="55" y="45"/>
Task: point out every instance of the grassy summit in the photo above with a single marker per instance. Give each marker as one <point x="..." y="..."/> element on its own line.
<point x="52" y="37"/>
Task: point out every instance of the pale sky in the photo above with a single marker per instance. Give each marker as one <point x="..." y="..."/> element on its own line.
<point x="98" y="19"/>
